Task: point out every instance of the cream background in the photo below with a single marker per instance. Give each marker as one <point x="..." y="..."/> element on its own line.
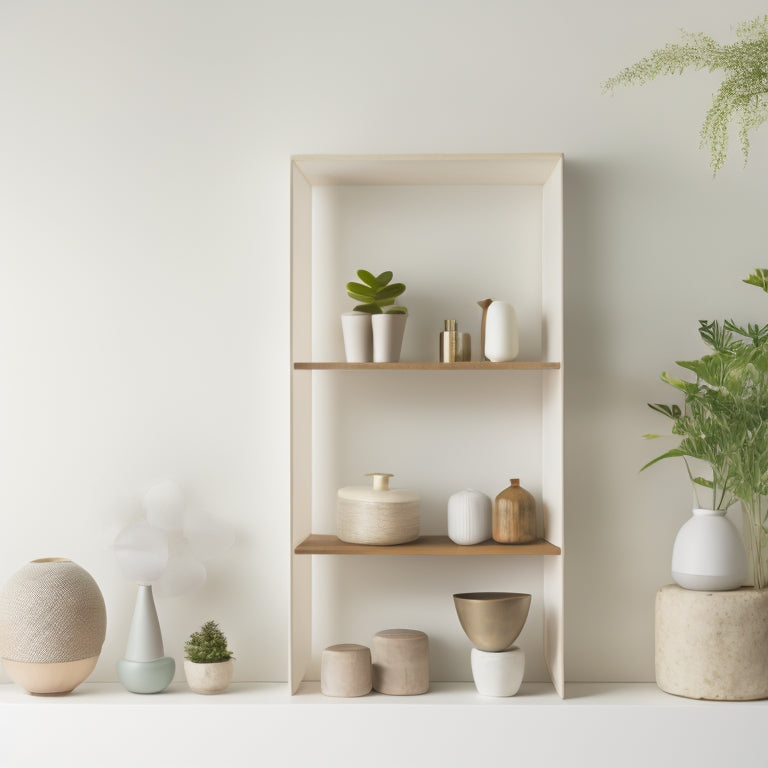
<point x="144" y="252"/>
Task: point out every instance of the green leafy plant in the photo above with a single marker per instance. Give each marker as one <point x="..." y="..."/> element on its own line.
<point x="375" y="293"/>
<point x="743" y="92"/>
<point x="724" y="422"/>
<point x="207" y="646"/>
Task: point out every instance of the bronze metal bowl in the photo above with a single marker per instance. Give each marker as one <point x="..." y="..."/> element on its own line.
<point x="492" y="620"/>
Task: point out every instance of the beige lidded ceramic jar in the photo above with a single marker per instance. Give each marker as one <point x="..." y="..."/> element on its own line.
<point x="377" y="514"/>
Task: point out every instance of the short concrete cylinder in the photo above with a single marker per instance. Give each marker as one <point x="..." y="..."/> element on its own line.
<point x="345" y="670"/>
<point x="712" y="645"/>
<point x="400" y="662"/>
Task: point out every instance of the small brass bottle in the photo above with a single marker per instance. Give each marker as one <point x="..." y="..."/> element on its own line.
<point x="514" y="515"/>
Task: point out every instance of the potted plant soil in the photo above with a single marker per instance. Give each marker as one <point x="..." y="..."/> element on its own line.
<point x="207" y="660"/>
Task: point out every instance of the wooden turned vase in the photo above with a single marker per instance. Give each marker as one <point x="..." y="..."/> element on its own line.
<point x="514" y="515"/>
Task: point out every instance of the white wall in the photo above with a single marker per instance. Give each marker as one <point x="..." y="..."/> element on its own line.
<point x="144" y="248"/>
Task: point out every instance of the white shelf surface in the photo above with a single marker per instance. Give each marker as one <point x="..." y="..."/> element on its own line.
<point x="598" y="724"/>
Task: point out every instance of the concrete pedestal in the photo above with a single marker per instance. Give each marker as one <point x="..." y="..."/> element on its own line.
<point x="400" y="662"/>
<point x="712" y="645"/>
<point x="346" y="670"/>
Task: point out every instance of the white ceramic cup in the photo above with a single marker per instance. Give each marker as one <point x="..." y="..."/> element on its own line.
<point x="498" y="673"/>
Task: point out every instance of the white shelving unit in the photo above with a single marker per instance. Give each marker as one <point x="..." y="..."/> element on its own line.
<point x="429" y="180"/>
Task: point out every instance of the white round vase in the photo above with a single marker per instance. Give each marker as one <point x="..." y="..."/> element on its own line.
<point x="502" y="342"/>
<point x="52" y="625"/>
<point x="498" y="673"/>
<point x="470" y="514"/>
<point x="708" y="553"/>
<point x="210" y="678"/>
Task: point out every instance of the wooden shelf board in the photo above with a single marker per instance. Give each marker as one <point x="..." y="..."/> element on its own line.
<point x="517" y="365"/>
<point x="324" y="544"/>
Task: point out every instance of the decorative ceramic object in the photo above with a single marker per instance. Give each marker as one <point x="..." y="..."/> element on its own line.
<point x="492" y="620"/>
<point x="484" y="304"/>
<point x="400" y="660"/>
<point x="708" y="553"/>
<point x="455" y="347"/>
<point x="498" y="674"/>
<point x="501" y="336"/>
<point x="345" y="670"/>
<point x="514" y="515"/>
<point x="358" y="337"/>
<point x="712" y="645"/>
<point x="388" y="332"/>
<point x="145" y="668"/>
<point x="52" y="625"/>
<point x="469" y="517"/>
<point x="377" y="514"/>
<point x="208" y="678"/>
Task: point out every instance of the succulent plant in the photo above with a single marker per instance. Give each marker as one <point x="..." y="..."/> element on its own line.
<point x="375" y="293"/>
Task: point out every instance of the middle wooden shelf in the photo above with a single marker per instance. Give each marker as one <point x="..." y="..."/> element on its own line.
<point x="326" y="544"/>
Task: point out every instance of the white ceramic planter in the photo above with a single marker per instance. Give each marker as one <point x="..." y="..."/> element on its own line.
<point x="469" y="517"/>
<point x="498" y="673"/>
<point x="358" y="337"/>
<point x="388" y="332"/>
<point x="208" y="678"/>
<point x="502" y="342"/>
<point x="708" y="553"/>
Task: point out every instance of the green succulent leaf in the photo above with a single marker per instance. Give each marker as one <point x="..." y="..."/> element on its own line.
<point x="361" y="290"/>
<point x="368" y="278"/>
<point x="398" y="310"/>
<point x="371" y="309"/>
<point x="390" y="291"/>
<point x="384" y="278"/>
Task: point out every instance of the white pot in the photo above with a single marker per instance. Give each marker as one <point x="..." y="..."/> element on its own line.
<point x="498" y="673"/>
<point x="388" y="331"/>
<point x="358" y="337"/>
<point x="208" y="678"/>
<point x="502" y="342"/>
<point x="469" y="517"/>
<point x="708" y="553"/>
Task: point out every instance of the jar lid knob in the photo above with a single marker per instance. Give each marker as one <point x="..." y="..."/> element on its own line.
<point x="380" y="480"/>
<point x="515" y="482"/>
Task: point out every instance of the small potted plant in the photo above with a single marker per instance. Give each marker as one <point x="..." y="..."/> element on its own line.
<point x="374" y="329"/>
<point x="207" y="660"/>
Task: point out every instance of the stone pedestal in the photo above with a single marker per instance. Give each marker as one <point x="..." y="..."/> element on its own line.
<point x="400" y="662"/>
<point x="712" y="645"/>
<point x="346" y="670"/>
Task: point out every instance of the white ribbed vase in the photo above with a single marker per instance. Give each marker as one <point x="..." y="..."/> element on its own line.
<point x="469" y="517"/>
<point x="52" y="625"/>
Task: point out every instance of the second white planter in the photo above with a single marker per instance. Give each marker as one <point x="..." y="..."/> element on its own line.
<point x="388" y="332"/>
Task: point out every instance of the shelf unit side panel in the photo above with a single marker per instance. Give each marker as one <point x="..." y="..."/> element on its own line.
<point x="300" y="631"/>
<point x="554" y="627"/>
<point x="553" y="491"/>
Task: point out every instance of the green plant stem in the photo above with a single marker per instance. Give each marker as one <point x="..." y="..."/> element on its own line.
<point x="755" y="538"/>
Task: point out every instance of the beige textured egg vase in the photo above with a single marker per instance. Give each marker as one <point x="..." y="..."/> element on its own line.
<point x="514" y="515"/>
<point x="52" y="625"/>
